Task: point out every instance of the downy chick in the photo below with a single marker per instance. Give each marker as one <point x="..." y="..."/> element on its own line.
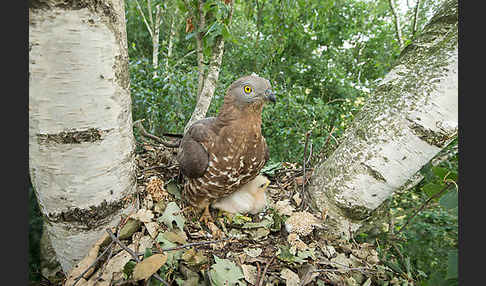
<point x="250" y="198"/>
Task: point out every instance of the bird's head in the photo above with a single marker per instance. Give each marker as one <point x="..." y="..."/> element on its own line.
<point x="259" y="184"/>
<point x="251" y="89"/>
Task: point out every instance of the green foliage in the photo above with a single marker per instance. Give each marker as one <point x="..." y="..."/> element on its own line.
<point x="35" y="233"/>
<point x="428" y="251"/>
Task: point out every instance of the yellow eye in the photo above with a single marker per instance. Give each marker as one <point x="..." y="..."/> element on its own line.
<point x="247" y="89"/>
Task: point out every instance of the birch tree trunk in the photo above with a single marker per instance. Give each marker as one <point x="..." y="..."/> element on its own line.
<point x="81" y="144"/>
<point x="411" y="116"/>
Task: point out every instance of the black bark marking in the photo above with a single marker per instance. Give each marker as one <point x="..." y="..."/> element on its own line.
<point x="72" y="137"/>
<point x="90" y="217"/>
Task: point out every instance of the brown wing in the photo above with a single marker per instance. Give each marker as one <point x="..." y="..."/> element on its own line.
<point x="193" y="157"/>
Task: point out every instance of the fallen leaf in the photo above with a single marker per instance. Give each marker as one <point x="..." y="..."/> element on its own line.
<point x="250" y="273"/>
<point x="297" y="198"/>
<point x="307" y="274"/>
<point x="252" y="252"/>
<point x="283" y="207"/>
<point x="130" y="227"/>
<point x="174" y="190"/>
<point x="86" y="262"/>
<point x="143" y="215"/>
<point x="194" y="258"/>
<point x="152" y="228"/>
<point x="224" y="272"/>
<point x="168" y="216"/>
<point x="148" y="266"/>
<point x="291" y="278"/>
<point x="176" y="236"/>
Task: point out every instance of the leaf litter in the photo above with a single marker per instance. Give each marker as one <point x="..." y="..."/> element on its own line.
<point x="280" y="246"/>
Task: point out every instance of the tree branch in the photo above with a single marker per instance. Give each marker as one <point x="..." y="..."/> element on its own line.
<point x="415" y="16"/>
<point x="396" y="22"/>
<point x="144" y="133"/>
<point x="144" y="19"/>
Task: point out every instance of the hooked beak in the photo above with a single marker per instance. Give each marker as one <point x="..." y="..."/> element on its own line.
<point x="270" y="96"/>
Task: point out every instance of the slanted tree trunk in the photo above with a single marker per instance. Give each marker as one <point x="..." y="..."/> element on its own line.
<point x="81" y="144"/>
<point x="410" y="117"/>
<point x="208" y="74"/>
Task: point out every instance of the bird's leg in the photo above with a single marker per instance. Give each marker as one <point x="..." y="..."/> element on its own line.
<point x="206" y="215"/>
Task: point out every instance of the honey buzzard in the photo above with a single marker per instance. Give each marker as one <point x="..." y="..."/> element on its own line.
<point x="218" y="155"/>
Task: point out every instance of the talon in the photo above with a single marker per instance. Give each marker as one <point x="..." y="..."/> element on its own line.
<point x="206" y="216"/>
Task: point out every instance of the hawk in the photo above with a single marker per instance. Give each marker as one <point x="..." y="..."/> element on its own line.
<point x="218" y="155"/>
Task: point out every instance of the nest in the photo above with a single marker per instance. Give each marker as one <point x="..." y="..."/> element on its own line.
<point x="275" y="247"/>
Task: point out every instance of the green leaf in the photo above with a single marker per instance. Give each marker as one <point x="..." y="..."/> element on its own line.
<point x="128" y="268"/>
<point x="172" y="256"/>
<point x="168" y="216"/>
<point x="440" y="172"/>
<point x="147" y="253"/>
<point x="452" y="261"/>
<point x="174" y="190"/>
<point x="432" y="188"/>
<point x="224" y="272"/>
<point x="449" y="200"/>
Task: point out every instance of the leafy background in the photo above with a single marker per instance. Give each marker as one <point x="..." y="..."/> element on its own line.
<point x="323" y="58"/>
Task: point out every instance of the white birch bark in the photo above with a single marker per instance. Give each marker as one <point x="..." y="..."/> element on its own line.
<point x="209" y="84"/>
<point x="81" y="145"/>
<point x="409" y="118"/>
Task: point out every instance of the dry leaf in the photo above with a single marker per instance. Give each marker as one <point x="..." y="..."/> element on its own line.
<point x="189" y="25"/>
<point x="86" y="262"/>
<point x="152" y="228"/>
<point x="291" y="278"/>
<point x="250" y="273"/>
<point x="297" y="198"/>
<point x="253" y="252"/>
<point x="176" y="236"/>
<point x="149" y="266"/>
<point x="143" y="215"/>
<point x="283" y="207"/>
<point x="307" y="274"/>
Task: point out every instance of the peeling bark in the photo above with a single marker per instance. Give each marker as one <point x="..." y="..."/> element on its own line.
<point x="410" y="117"/>
<point x="81" y="144"/>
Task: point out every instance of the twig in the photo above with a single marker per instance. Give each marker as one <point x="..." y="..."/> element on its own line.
<point x="122" y="245"/>
<point x="265" y="270"/>
<point x="155" y="167"/>
<point x="144" y="133"/>
<point x="259" y="272"/>
<point x="425" y="204"/>
<point x="190" y="245"/>
<point x="93" y="264"/>
<point x="360" y="269"/>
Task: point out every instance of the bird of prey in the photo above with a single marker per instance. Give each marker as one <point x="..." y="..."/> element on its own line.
<point x="218" y="155"/>
<point x="250" y="198"/>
